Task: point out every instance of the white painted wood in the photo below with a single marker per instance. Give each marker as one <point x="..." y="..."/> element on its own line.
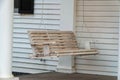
<point x="46" y="49"/>
<point x="67" y="23"/>
<point x="21" y="46"/>
<point x="100" y="58"/>
<point x="101" y="20"/>
<point x="6" y="24"/>
<point x="101" y="8"/>
<point x="36" y="66"/>
<point x="101" y="3"/>
<point x="96" y="68"/>
<point x="66" y="64"/>
<point x="28" y="70"/>
<point x="67" y="15"/>
<point x="99" y="63"/>
<point x="48" y="62"/>
<point x="96" y="72"/>
<point x="87" y="45"/>
<point x="118" y="75"/>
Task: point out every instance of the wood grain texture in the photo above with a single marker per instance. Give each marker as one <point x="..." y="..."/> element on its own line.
<point x="61" y="43"/>
<point x="63" y="76"/>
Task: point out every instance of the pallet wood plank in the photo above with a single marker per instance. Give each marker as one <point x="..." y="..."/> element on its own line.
<point x="60" y="42"/>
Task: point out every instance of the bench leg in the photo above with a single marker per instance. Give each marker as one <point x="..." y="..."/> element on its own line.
<point x="46" y="50"/>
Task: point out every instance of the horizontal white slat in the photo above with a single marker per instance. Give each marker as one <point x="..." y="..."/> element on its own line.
<point x="99" y="19"/>
<point x="48" y="1"/>
<point x="22" y="50"/>
<point x="99" y="57"/>
<point x="35" y="26"/>
<point x="97" y="63"/>
<point x="98" y="14"/>
<point x="97" y="68"/>
<point x="35" y="61"/>
<point x="26" y="55"/>
<point x="27" y="70"/>
<point x="39" y="11"/>
<point x="21" y="55"/>
<point x="38" y="16"/>
<point x="99" y="8"/>
<point x="99" y="3"/>
<point x="101" y="46"/>
<point x="98" y="24"/>
<point x="96" y="72"/>
<point x="47" y="6"/>
<point x="34" y="66"/>
<point x="99" y="30"/>
<point x="109" y="52"/>
<point x="21" y="40"/>
<point x="107" y="46"/>
<point x="21" y="35"/>
<point x="37" y="21"/>
<point x="25" y="30"/>
<point x="98" y="35"/>
<point x="100" y="41"/>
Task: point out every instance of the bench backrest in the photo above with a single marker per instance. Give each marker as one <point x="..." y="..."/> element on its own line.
<point x="64" y="40"/>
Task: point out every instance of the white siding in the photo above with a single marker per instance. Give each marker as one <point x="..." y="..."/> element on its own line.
<point x="21" y="46"/>
<point x="101" y="20"/>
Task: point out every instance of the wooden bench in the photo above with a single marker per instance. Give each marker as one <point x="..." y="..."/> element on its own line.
<point x="56" y="43"/>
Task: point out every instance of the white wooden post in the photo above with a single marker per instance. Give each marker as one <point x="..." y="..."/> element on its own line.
<point x="6" y="15"/>
<point x="66" y="63"/>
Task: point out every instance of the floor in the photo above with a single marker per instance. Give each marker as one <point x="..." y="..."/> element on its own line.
<point x="63" y="76"/>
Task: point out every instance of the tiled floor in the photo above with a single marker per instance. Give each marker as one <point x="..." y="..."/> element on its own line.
<point x="62" y="76"/>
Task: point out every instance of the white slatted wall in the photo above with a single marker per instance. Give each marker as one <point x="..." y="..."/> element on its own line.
<point x="101" y="19"/>
<point x="21" y="46"/>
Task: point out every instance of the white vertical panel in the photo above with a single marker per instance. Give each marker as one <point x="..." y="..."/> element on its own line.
<point x="101" y="23"/>
<point x="67" y="24"/>
<point x="21" y="46"/>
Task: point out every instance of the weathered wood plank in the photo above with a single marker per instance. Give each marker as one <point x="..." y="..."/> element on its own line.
<point x="60" y="43"/>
